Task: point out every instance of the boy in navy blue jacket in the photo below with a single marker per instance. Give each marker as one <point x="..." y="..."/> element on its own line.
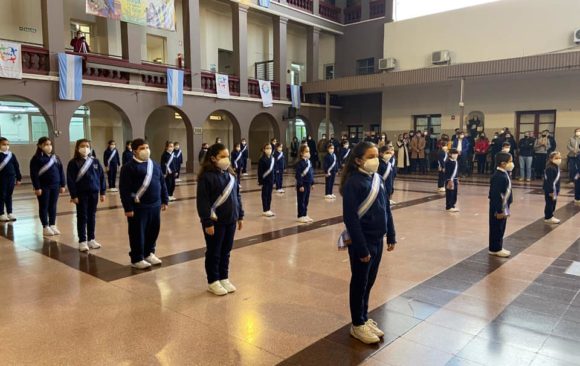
<point x="500" y="199"/>
<point x="178" y="160"/>
<point x="144" y="196"/>
<point x="266" y="178"/>
<point x="127" y="154"/>
<point x="451" y="181"/>
<point x="552" y="186"/>
<point x="245" y="156"/>
<point x="236" y="160"/>
<point x="442" y="157"/>
<point x="330" y="169"/>
<point x="304" y="184"/>
<point x="169" y="169"/>
<point x="86" y="180"/>
<point x="112" y="161"/>
<point x="280" y="167"/>
<point x="9" y="177"/>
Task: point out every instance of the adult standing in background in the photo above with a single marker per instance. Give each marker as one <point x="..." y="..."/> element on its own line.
<point x="552" y="140"/>
<point x="313" y="152"/>
<point x="418" y="153"/>
<point x="541" y="148"/>
<point x="403" y="160"/>
<point x="322" y="147"/>
<point x="573" y="155"/>
<point x="79" y="43"/>
<point x="294" y="146"/>
<point x="481" y="149"/>
<point x="526" y="147"/>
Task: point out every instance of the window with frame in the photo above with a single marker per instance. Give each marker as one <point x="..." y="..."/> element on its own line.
<point x="21" y="122"/>
<point x="429" y="122"/>
<point x="329" y="72"/>
<point x="376" y="128"/>
<point x="88" y="32"/>
<point x="535" y="121"/>
<point x="365" y="66"/>
<point x="356" y="131"/>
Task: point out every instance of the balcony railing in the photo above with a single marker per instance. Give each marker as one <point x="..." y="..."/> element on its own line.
<point x="377" y="9"/>
<point x="329" y="11"/>
<point x="352" y="14"/>
<point x="254" y="89"/>
<point x="35" y="60"/>
<point x="302" y="4"/>
<point x="209" y="86"/>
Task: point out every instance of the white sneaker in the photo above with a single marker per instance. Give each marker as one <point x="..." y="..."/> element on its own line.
<point x="310" y="219"/>
<point x="228" y="286"/>
<point x="216" y="288"/>
<point x="442" y="189"/>
<point x="333" y="196"/>
<point x="268" y="214"/>
<point x="4" y="218"/>
<point x="552" y="220"/>
<point x="571" y="184"/>
<point x="178" y="180"/>
<point x="93" y="244"/>
<point x="502" y="253"/>
<point x="172" y="198"/>
<point x="453" y="209"/>
<point x="152" y="258"/>
<point x="328" y="197"/>
<point x="11" y="217"/>
<point x="83" y="247"/>
<point x="115" y="190"/>
<point x="141" y="265"/>
<point x="282" y="191"/>
<point x="374" y="327"/>
<point x="245" y="174"/>
<point x="47" y="231"/>
<point x="55" y="230"/>
<point x="364" y="334"/>
<point x="392" y="202"/>
<point x="303" y="220"/>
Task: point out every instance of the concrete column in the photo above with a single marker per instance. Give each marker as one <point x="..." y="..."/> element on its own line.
<point x="131" y="40"/>
<point x="327" y="115"/>
<point x="280" y="35"/>
<point x="192" y="41"/>
<point x="365" y="10"/>
<point x="316" y="7"/>
<point x="389" y="10"/>
<point x="240" y="37"/>
<point x="53" y="34"/>
<point x="312" y="54"/>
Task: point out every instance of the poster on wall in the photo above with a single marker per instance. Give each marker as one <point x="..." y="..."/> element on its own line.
<point x="104" y="8"/>
<point x="153" y="13"/>
<point x="161" y="14"/>
<point x="266" y="93"/>
<point x="222" y="85"/>
<point x="10" y="60"/>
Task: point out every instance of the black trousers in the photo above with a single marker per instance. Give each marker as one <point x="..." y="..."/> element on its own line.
<point x="267" y="188"/>
<point x="363" y="276"/>
<point x="550" y="206"/>
<point x="217" y="253"/>
<point x="496" y="232"/>
<point x="303" y="198"/>
<point x="279" y="179"/>
<point x="539" y="165"/>
<point x="47" y="202"/>
<point x="329" y="183"/>
<point x="170" y="183"/>
<point x="577" y="189"/>
<point x="143" y="232"/>
<point x="112" y="176"/>
<point x="481" y="160"/>
<point x="451" y="196"/>
<point x="178" y="171"/>
<point x="87" y="216"/>
<point x="441" y="180"/>
<point x="7" y="185"/>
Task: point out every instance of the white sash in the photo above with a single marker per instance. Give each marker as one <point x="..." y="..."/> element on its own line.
<point x="169" y="163"/>
<point x="346" y="155"/>
<point x="178" y="154"/>
<point x="111" y="157"/>
<point x="280" y="156"/>
<point x="244" y="149"/>
<point x="269" y="171"/>
<point x="444" y="160"/>
<point x="388" y="171"/>
<point x="84" y="169"/>
<point x="505" y="197"/>
<point x="333" y="164"/>
<point x="555" y="182"/>
<point x="6" y="160"/>
<point x="146" y="181"/>
<point x="47" y="166"/>
<point x="237" y="159"/>
<point x="308" y="166"/>
<point x="223" y="197"/>
<point x="454" y="175"/>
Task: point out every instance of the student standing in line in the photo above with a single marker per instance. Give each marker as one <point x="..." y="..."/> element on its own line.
<point x="387" y="172"/>
<point x="500" y="199"/>
<point x="365" y="218"/>
<point x="344" y="152"/>
<point x="202" y="152"/>
<point x="442" y="157"/>
<point x="330" y="170"/>
<point x="9" y="178"/>
<point x="266" y="178"/>
<point x="178" y="160"/>
<point x="577" y="183"/>
<point x="552" y="186"/>
<point x="86" y="180"/>
<point x="112" y="162"/>
<point x="245" y="157"/>
<point x="169" y="169"/>
<point x="393" y="175"/>
<point x="451" y="181"/>
<point x="48" y="180"/>
<point x="573" y="155"/>
<point x="304" y="184"/>
<point x="280" y="167"/>
<point x="236" y="159"/>
<point x="144" y="196"/>
<point x="127" y="154"/>
<point x="219" y="206"/>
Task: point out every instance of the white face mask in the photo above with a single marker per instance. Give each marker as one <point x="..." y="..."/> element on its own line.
<point x="47" y="149"/>
<point x="371" y="165"/>
<point x="578" y="134"/>
<point x="112" y="147"/>
<point x="306" y="156"/>
<point x="557" y="161"/>
<point x="4" y="148"/>
<point x="169" y="150"/>
<point x="84" y="151"/>
<point x="510" y="166"/>
<point x="268" y="152"/>
<point x="506" y="150"/>
<point x="144" y="154"/>
<point x="461" y="136"/>
<point x="387" y="156"/>
<point x="331" y="151"/>
<point x="454" y="156"/>
<point x="345" y="146"/>
<point x="223" y="163"/>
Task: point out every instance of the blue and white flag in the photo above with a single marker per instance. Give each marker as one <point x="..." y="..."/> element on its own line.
<point x="295" y="94"/>
<point x="264" y="3"/>
<point x="175" y="87"/>
<point x="266" y="93"/>
<point x="70" y="72"/>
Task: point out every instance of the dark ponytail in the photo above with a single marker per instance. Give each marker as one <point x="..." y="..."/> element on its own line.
<point x="358" y="152"/>
<point x="207" y="165"/>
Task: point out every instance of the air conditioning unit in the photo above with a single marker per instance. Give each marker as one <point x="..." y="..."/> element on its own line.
<point x="387" y="63"/>
<point x="577" y="36"/>
<point x="441" y="58"/>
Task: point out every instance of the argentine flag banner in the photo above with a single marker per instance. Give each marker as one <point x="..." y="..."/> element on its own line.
<point x="175" y="87"/>
<point x="295" y="93"/>
<point x="70" y="75"/>
<point x="264" y="3"/>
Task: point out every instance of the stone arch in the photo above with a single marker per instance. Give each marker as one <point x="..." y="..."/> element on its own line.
<point x="224" y="125"/>
<point x="263" y="128"/>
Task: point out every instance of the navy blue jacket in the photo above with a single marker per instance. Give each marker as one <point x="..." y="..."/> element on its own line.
<point x="263" y="166"/>
<point x="209" y="187"/>
<point x="11" y="170"/>
<point x="328" y="159"/>
<point x="450" y="171"/>
<point x="164" y="160"/>
<point x="550" y="183"/>
<point x="116" y="161"/>
<point x="132" y="176"/>
<point x="280" y="162"/>
<point x="526" y="146"/>
<point x="233" y="156"/>
<point x="245" y="153"/>
<point x="127" y="156"/>
<point x="372" y="227"/>
<point x="343" y="152"/>
<point x="390" y="182"/>
<point x="178" y="157"/>
<point x="92" y="182"/>
<point x="308" y="178"/>
<point x="53" y="178"/>
<point x="442" y="158"/>
<point x="498" y="187"/>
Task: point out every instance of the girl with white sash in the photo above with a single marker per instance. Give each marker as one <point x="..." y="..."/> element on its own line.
<point x="267" y="178"/>
<point x="304" y="183"/>
<point x="330" y="170"/>
<point x="280" y="167"/>
<point x="169" y="169"/>
<point x="387" y="174"/>
<point x="48" y="180"/>
<point x="178" y="160"/>
<point x="344" y="153"/>
<point x="552" y="186"/>
<point x="364" y="212"/>
<point x="219" y="206"/>
<point x="236" y="159"/>
<point x="112" y="162"/>
<point x="86" y="182"/>
<point x="9" y="177"/>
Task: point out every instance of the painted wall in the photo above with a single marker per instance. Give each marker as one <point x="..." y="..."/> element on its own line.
<point x="260" y="40"/>
<point x="517" y="28"/>
<point x="360" y="41"/>
<point x="21" y="13"/>
<point x="216" y="31"/>
<point x="296" y="49"/>
<point x="364" y="109"/>
<point x="327" y="51"/>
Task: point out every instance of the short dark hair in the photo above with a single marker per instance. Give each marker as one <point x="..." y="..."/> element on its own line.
<point x="2" y="139"/>
<point x="112" y="142"/>
<point x="453" y="151"/>
<point x="502" y="157"/>
<point x="137" y="143"/>
<point x="506" y="144"/>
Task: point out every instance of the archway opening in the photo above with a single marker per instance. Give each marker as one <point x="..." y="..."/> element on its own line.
<point x="169" y="124"/>
<point x="322" y="129"/>
<point x="297" y="127"/>
<point x="223" y="125"/>
<point x="262" y="130"/>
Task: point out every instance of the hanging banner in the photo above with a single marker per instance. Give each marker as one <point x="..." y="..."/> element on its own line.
<point x="104" y="8"/>
<point x="175" y="87"/>
<point x="134" y="11"/>
<point x="161" y="14"/>
<point x="295" y="93"/>
<point x="266" y="93"/>
<point x="222" y="84"/>
<point x="153" y="13"/>
<point x="70" y="77"/>
<point x="264" y="3"/>
<point x="10" y="60"/>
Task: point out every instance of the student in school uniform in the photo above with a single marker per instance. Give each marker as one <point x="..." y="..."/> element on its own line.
<point x="178" y="160"/>
<point x="552" y="186"/>
<point x="330" y="170"/>
<point x="236" y="159"/>
<point x="219" y="206"/>
<point x="451" y="181"/>
<point x="245" y="157"/>
<point x="500" y="199"/>
<point x="202" y="152"/>
<point x="127" y="154"/>
<point x="387" y="173"/>
<point x="112" y="161"/>
<point x="364" y="212"/>
<point x="442" y="157"/>
<point x="266" y="178"/>
<point x="577" y="183"/>
<point x="9" y="178"/>
<point x="169" y="169"/>
<point x="48" y="180"/>
<point x="144" y="196"/>
<point x="304" y="184"/>
<point x="86" y="181"/>
<point x="280" y="167"/>
<point x="344" y="153"/>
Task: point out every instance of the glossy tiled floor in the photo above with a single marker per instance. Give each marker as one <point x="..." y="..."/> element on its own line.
<point x="440" y="298"/>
